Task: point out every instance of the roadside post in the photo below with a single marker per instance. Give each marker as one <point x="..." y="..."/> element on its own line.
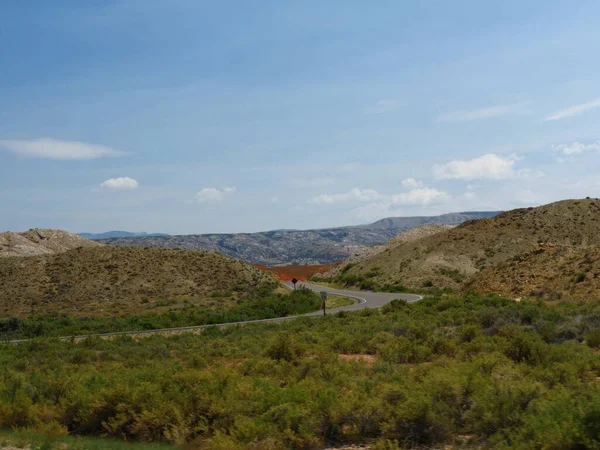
<point x="324" y="300"/>
<point x="294" y="281"/>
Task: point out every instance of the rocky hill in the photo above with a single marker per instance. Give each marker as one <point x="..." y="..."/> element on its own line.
<point x="369" y="252"/>
<point x="120" y="280"/>
<point x="551" y="272"/>
<point x="40" y="242"/>
<point x="117" y="234"/>
<point x="309" y="247"/>
<point x="450" y="258"/>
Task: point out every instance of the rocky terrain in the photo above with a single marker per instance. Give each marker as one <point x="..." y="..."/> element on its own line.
<point x="368" y="252"/>
<point x="551" y="272"/>
<point x="449" y="259"/>
<point x="40" y="241"/>
<point x="309" y="247"/>
<point x="104" y="281"/>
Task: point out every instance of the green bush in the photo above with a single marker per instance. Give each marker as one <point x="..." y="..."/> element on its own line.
<point x="486" y="370"/>
<point x="593" y="338"/>
<point x="261" y="304"/>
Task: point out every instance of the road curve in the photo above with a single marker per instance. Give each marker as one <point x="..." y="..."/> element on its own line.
<point x="364" y="300"/>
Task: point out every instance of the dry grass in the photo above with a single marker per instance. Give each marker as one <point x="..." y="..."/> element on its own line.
<point x="108" y="281"/>
<point x="551" y="272"/>
<point x="450" y="258"/>
<point x="369" y="252"/>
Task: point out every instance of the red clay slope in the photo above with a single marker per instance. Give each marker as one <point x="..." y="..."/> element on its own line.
<point x="286" y="273"/>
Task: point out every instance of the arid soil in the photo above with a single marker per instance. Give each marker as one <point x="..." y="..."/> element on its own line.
<point x="451" y="258"/>
<point x="105" y="281"/>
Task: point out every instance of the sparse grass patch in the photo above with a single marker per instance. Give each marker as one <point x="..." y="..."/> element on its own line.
<point x="34" y="441"/>
<point x="337" y="301"/>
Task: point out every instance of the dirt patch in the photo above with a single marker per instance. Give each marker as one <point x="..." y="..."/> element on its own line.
<point x="366" y="359"/>
<point x="287" y="273"/>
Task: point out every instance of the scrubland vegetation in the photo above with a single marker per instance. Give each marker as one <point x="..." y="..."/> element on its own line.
<point x="261" y="303"/>
<point x="109" y="281"/>
<point x="549" y="251"/>
<point x="472" y="373"/>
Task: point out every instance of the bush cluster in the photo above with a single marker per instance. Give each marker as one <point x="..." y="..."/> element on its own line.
<point x="495" y="373"/>
<point x="262" y="303"/>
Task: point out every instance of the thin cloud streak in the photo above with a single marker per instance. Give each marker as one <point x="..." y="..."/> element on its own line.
<point x="49" y="148"/>
<point x="575" y="110"/>
<point x="482" y="113"/>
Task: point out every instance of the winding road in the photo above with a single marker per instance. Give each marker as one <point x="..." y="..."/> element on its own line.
<point x="364" y="300"/>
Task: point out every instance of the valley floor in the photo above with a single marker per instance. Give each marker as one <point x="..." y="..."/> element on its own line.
<point x="472" y="372"/>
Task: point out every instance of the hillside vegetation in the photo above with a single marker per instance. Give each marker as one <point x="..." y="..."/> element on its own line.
<point x="551" y="272"/>
<point x="447" y="260"/>
<point x="106" y="281"/>
<point x="441" y="373"/>
<point x="39" y="241"/>
<point x="368" y="252"/>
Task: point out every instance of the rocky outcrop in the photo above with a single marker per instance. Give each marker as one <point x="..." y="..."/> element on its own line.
<point x="38" y="241"/>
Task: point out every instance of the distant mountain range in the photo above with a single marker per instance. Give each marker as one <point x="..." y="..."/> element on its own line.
<point x="117" y="234"/>
<point x="302" y="247"/>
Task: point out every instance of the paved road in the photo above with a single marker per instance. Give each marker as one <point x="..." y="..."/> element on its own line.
<point x="364" y="299"/>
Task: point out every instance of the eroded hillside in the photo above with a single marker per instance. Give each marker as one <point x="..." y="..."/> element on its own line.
<point x="106" y="281"/>
<point x="551" y="272"/>
<point x="369" y="252"/>
<point x="448" y="259"/>
<point x="299" y="247"/>
<point x="40" y="241"/>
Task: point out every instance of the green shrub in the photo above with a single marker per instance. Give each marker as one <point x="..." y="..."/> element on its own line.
<point x="481" y="372"/>
<point x="593" y="338"/>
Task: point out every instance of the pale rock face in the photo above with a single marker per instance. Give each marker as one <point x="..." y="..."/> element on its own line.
<point x="39" y="241"/>
<point x="368" y="252"/>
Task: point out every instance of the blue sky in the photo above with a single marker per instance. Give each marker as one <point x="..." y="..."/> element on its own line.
<point x="190" y="116"/>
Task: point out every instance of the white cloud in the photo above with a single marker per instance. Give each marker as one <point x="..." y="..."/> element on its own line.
<point x="526" y="197"/>
<point x="274" y="199"/>
<point x="382" y="106"/>
<point x="577" y="147"/>
<point x="214" y="195"/>
<point x="379" y="205"/>
<point x="482" y="113"/>
<point x="387" y="205"/>
<point x="486" y="167"/>
<point x="423" y="196"/>
<point x="575" y="110"/>
<point x="373" y="211"/>
<point x="56" y="149"/>
<point x="470" y="195"/>
<point x="411" y="183"/>
<point x="120" y="183"/>
<point x="363" y="195"/>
